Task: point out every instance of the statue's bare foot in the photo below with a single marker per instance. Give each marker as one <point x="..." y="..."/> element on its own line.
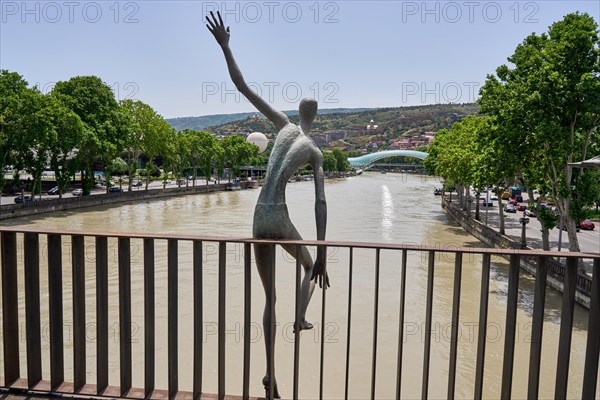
<point x="304" y="325"/>
<point x="265" y="382"/>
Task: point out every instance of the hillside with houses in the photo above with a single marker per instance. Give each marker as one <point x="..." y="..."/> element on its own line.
<point x="363" y="131"/>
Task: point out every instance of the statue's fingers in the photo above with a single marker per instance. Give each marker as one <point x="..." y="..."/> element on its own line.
<point x="212" y="25"/>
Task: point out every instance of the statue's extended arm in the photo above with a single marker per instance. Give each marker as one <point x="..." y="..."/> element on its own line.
<point x="221" y="34"/>
<point x="321" y="218"/>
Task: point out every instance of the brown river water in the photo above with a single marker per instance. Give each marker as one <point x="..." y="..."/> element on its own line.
<point x="373" y="207"/>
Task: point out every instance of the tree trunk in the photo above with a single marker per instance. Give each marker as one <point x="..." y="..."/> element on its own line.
<point x="151" y="163"/>
<point x="477" y="205"/>
<point x="501" y="215"/>
<point x="130" y="178"/>
<point x="545" y="237"/>
<point x="572" y="235"/>
<point x="570" y="224"/>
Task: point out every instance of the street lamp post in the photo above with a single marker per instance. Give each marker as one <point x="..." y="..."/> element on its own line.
<point x="523" y="221"/>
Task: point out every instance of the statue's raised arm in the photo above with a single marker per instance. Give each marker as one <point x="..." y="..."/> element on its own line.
<point x="221" y="34"/>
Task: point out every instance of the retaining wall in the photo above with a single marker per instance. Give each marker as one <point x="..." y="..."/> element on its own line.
<point x="70" y="203"/>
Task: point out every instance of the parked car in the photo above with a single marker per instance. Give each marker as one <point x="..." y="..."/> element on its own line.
<point x="577" y="227"/>
<point x="136" y="183"/>
<point x="519" y="198"/>
<point x="24" y="199"/>
<point x="521" y="207"/>
<point x="53" y="191"/>
<point x="513" y="202"/>
<point x="510" y="208"/>
<point x="487" y="203"/>
<point x="530" y="213"/>
<point x="114" y="189"/>
<point x="505" y="196"/>
<point x="587" y="225"/>
<point x="77" y="192"/>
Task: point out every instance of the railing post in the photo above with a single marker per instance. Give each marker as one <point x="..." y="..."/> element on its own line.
<point x="198" y="331"/>
<point x="32" y="308"/>
<point x="537" y="326"/>
<point x="102" y="313"/>
<point x="566" y="329"/>
<point x="10" y="308"/>
<point x="455" y="321"/>
<point x="172" y="318"/>
<point x="247" y="320"/>
<point x="298" y="304"/>
<point x="55" y="300"/>
<point x="592" y="352"/>
<point x="324" y="293"/>
<point x="401" y="325"/>
<point x="481" y="337"/>
<point x="125" y="313"/>
<point x="428" y="315"/>
<point x="149" y="318"/>
<point x="78" y="272"/>
<point x="350" y="268"/>
<point x="222" y="320"/>
<point x="511" y="321"/>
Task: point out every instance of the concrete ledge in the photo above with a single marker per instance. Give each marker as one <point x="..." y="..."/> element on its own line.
<point x="45" y="206"/>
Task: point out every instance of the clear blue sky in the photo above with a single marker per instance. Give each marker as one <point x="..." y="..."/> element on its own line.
<point x="344" y="53"/>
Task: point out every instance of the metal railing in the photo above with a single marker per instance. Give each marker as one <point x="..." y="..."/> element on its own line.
<point x="32" y="254"/>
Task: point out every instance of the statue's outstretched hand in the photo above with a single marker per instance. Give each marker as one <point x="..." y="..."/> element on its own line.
<point x="217" y="28"/>
<point x="317" y="274"/>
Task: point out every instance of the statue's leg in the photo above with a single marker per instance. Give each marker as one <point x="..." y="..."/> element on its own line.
<point x="308" y="285"/>
<point x="263" y="256"/>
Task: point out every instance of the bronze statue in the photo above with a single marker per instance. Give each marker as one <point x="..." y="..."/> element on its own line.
<point x="293" y="148"/>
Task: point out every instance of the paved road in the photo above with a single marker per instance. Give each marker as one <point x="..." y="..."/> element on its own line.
<point x="9" y="199"/>
<point x="589" y="241"/>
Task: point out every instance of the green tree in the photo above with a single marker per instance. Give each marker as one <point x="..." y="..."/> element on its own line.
<point x="201" y="152"/>
<point x="12" y="86"/>
<point x="341" y="160"/>
<point x="68" y="132"/>
<point x="548" y="105"/>
<point x="149" y="134"/>
<point x="329" y="162"/>
<point x="454" y="155"/>
<point x="94" y="102"/>
<point x="237" y="151"/>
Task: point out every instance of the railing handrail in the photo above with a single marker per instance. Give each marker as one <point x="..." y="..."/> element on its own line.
<point x="329" y="243"/>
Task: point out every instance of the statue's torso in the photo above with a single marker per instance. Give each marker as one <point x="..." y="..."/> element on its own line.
<point x="292" y="149"/>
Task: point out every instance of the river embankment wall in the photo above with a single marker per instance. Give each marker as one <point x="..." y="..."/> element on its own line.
<point x="71" y="203"/>
<point x="492" y="238"/>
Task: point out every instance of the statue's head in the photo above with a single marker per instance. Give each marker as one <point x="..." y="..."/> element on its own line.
<point x="308" y="111"/>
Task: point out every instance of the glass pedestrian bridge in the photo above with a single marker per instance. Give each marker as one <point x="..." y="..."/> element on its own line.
<point x="369" y="159"/>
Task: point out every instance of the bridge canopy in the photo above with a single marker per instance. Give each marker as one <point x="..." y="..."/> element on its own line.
<point x="369" y="159"/>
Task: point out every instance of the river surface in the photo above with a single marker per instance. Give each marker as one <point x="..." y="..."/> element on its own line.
<point x="373" y="207"/>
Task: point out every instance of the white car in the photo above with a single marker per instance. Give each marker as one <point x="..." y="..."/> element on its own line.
<point x="77" y="192"/>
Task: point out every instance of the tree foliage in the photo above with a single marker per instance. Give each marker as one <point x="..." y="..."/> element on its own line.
<point x="546" y="106"/>
<point x="79" y="126"/>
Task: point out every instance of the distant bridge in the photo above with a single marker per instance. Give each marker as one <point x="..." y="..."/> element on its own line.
<point x="369" y="159"/>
